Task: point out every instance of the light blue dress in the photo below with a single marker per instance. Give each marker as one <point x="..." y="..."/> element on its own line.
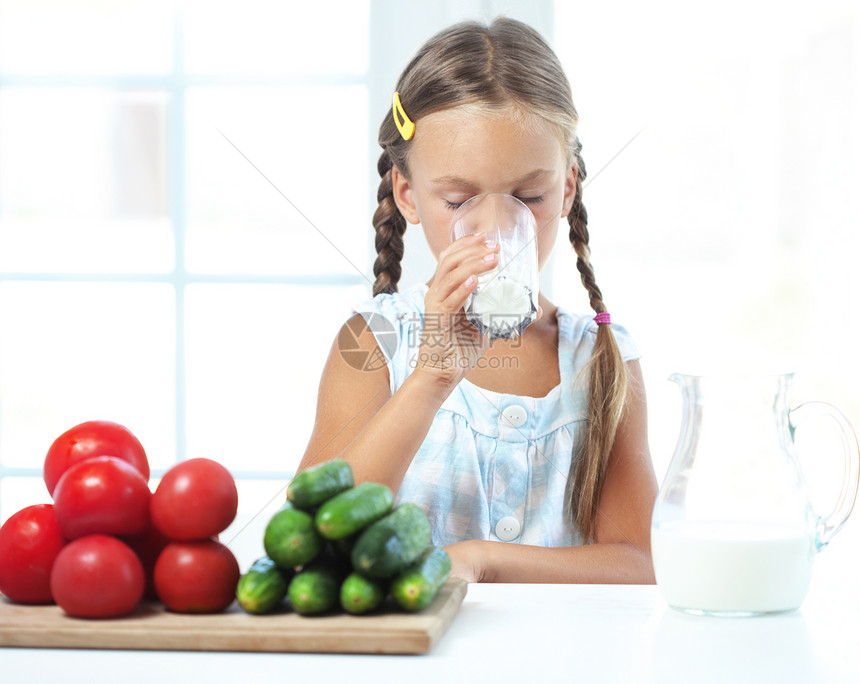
<point x="493" y="466"/>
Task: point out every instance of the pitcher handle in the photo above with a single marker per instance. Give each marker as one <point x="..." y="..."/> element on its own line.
<point x="831" y="523"/>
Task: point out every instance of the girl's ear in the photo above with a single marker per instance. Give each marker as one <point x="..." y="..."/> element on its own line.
<point x="402" y="192"/>
<point x="569" y="191"/>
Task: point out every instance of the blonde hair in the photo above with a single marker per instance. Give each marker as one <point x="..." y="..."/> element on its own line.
<point x="496" y="67"/>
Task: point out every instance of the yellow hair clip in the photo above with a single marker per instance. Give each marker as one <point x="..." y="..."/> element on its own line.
<point x="406" y="128"/>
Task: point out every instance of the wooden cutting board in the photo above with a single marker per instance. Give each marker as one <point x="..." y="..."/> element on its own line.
<point x="151" y="627"/>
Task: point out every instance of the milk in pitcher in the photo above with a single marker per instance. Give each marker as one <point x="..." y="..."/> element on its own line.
<point x="732" y="568"/>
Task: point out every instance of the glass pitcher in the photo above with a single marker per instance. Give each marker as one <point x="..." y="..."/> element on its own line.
<point x="733" y="530"/>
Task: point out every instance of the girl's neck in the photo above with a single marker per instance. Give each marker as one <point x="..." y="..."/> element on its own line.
<point x="526" y="366"/>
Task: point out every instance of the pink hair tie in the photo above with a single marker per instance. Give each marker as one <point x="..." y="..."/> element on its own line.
<point x="602" y="318"/>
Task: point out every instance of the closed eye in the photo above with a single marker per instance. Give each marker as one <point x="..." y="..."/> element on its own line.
<point x="531" y="200"/>
<point x="525" y="200"/>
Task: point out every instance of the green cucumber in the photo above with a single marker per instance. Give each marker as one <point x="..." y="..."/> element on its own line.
<point x="263" y="587"/>
<point x="346" y="513"/>
<point x="360" y="594"/>
<point x="417" y="586"/>
<point x="321" y="482"/>
<point x="392" y="543"/>
<point x="291" y="538"/>
<point x="315" y="589"/>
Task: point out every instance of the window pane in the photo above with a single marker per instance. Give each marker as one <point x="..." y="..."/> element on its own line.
<point x="305" y="146"/>
<point x="71" y="352"/>
<point x="255" y="355"/>
<point x="83" y="181"/>
<point x="121" y="36"/>
<point x="277" y="38"/>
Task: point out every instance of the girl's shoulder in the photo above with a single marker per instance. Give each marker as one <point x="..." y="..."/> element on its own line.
<point x="395" y="320"/>
<point x="396" y="305"/>
<point x="579" y="331"/>
<point x="394" y="315"/>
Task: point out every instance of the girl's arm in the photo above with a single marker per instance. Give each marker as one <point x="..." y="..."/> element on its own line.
<point x="622" y="550"/>
<point x="359" y="420"/>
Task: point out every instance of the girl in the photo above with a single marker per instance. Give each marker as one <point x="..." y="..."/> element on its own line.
<point x="529" y="456"/>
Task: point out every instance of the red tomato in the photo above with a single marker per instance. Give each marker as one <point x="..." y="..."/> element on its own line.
<point x="148" y="545"/>
<point x="29" y="542"/>
<point x="196" y="576"/>
<point x="101" y="495"/>
<point x="97" y="576"/>
<point x="93" y="438"/>
<point x="196" y="499"/>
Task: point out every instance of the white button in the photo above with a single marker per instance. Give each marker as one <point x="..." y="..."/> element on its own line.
<point x="508" y="528"/>
<point x="514" y="416"/>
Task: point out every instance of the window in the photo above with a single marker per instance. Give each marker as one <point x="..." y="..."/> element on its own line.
<point x="165" y="172"/>
<point x="185" y="200"/>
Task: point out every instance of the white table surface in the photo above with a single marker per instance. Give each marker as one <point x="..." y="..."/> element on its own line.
<point x="535" y="633"/>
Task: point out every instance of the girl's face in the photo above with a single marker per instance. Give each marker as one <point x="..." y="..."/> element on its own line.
<point x="460" y="153"/>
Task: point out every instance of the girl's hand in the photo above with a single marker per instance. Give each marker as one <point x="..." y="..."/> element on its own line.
<point x="468" y="562"/>
<point x="450" y="345"/>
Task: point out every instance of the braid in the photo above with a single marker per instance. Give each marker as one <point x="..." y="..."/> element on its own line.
<point x="578" y="220"/>
<point x="390" y="226"/>
<point x="607" y="384"/>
